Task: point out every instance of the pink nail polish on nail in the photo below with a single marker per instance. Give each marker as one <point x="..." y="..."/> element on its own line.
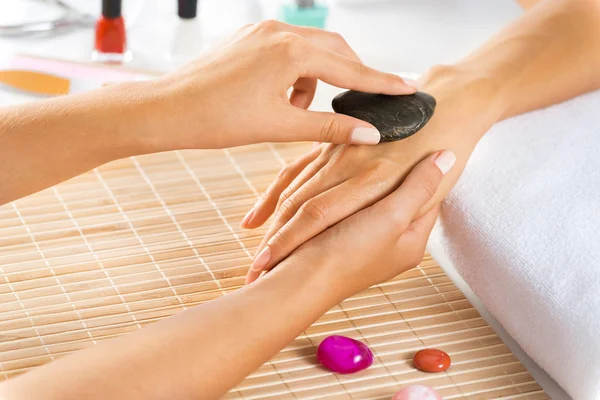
<point x="411" y="82"/>
<point x="247" y="218"/>
<point x="445" y="160"/>
<point x="262" y="259"/>
<point x="364" y="135"/>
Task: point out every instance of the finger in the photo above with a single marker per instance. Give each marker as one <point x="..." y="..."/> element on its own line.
<point x="277" y="196"/>
<point x="303" y="93"/>
<point x="411" y="245"/>
<point x="306" y="185"/>
<point x="400" y="208"/>
<point x="265" y="206"/>
<point x="318" y="214"/>
<point x="315" y="126"/>
<point x="344" y="72"/>
<point x="414" y="240"/>
<point x="424" y="224"/>
<point x="329" y="40"/>
<point x="291" y="208"/>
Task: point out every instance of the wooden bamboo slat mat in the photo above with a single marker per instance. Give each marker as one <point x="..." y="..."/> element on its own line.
<point x="140" y="239"/>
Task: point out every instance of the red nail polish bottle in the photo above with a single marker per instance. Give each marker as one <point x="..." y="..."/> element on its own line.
<point x="111" y="42"/>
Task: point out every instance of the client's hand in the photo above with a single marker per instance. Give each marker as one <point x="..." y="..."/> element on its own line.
<point x="333" y="182"/>
<point x="238" y="93"/>
<point x="382" y="240"/>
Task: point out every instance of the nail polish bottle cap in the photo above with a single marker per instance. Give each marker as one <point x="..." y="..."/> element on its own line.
<point x="111" y="8"/>
<point x="304" y="13"/>
<point x="187" y="9"/>
<point x="305" y="3"/>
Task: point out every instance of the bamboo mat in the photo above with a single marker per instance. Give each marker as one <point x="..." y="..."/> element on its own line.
<point x="137" y="240"/>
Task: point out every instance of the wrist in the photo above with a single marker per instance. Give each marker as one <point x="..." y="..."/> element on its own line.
<point x="313" y="274"/>
<point x="473" y="96"/>
<point x="139" y="118"/>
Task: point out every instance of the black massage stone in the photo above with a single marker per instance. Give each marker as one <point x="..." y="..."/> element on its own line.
<point x="396" y="117"/>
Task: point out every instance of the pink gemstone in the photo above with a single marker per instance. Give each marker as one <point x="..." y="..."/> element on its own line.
<point x="417" y="392"/>
<point x="344" y="355"/>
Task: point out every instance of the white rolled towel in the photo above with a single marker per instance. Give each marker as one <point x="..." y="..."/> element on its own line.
<point x="522" y="227"/>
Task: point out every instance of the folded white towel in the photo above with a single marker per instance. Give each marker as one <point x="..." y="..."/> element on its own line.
<point x="522" y="227"/>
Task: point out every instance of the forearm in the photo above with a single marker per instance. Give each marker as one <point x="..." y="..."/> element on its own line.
<point x="199" y="353"/>
<point x="50" y="141"/>
<point x="550" y="54"/>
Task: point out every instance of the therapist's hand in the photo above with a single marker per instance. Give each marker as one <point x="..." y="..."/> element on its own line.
<point x="380" y="241"/>
<point x="238" y="93"/>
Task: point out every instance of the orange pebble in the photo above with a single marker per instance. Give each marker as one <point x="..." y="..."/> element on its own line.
<point x="431" y="360"/>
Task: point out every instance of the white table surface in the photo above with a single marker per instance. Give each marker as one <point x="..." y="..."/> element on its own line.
<point x="392" y="35"/>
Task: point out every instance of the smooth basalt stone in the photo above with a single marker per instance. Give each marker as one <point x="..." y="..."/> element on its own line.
<point x="417" y="392"/>
<point x="431" y="360"/>
<point x="344" y="355"/>
<point x="396" y="117"/>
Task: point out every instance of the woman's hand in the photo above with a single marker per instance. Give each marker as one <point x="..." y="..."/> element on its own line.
<point x="238" y="93"/>
<point x="333" y="182"/>
<point x="382" y="240"/>
<point x="252" y="324"/>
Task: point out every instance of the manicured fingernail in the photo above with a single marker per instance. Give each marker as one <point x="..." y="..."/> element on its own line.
<point x="445" y="160"/>
<point x="364" y="135"/>
<point x="262" y="260"/>
<point x="411" y="82"/>
<point x="247" y="218"/>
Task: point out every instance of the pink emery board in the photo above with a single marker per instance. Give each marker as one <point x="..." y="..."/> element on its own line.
<point x="52" y="77"/>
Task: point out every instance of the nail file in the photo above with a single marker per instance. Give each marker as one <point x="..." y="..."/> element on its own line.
<point x="44" y="84"/>
<point x="49" y="77"/>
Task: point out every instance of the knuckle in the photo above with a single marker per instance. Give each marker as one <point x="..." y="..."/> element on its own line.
<point x="329" y="130"/>
<point x="269" y="25"/>
<point x="288" y="209"/>
<point x="288" y="40"/>
<point x="381" y="170"/>
<point x="361" y="69"/>
<point x="283" y="174"/>
<point x="281" y="236"/>
<point x="339" y="39"/>
<point x="290" y="46"/>
<point x="428" y="185"/>
<point x="314" y="209"/>
<point x="286" y="194"/>
<point x="342" y="46"/>
<point x="400" y="220"/>
<point x="245" y="29"/>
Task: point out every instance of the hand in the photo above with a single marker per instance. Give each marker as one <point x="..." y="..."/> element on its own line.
<point x="380" y="241"/>
<point x="333" y="182"/>
<point x="238" y="93"/>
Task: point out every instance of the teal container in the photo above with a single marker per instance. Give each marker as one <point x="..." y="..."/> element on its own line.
<point x="314" y="16"/>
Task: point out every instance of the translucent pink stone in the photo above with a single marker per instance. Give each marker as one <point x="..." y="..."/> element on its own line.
<point x="417" y="392"/>
<point x="344" y="355"/>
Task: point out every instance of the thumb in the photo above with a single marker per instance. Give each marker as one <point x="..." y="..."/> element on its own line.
<point x="328" y="127"/>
